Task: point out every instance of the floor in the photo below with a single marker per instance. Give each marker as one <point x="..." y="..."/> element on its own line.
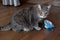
<point x="37" y="35"/>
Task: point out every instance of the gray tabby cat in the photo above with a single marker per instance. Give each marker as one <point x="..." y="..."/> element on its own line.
<point x="27" y="19"/>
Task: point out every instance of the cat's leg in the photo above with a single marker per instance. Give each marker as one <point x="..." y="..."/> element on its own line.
<point x="16" y="27"/>
<point x="36" y="26"/>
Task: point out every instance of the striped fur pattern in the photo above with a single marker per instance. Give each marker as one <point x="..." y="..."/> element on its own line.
<point x="27" y="19"/>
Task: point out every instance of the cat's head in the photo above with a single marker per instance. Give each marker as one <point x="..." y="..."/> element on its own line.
<point x="43" y="10"/>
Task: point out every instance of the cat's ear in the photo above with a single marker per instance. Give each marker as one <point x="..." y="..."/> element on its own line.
<point x="39" y="6"/>
<point x="49" y="6"/>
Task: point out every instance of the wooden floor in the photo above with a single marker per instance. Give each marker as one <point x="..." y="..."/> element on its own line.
<point x="37" y="35"/>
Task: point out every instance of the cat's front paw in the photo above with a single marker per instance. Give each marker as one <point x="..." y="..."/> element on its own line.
<point x="37" y="28"/>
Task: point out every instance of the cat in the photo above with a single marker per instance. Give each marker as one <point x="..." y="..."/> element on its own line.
<point x="27" y="19"/>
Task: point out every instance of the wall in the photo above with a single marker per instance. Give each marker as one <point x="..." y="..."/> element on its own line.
<point x="35" y="1"/>
<point x="0" y="1"/>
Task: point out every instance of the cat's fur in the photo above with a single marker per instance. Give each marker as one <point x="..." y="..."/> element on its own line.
<point x="28" y="18"/>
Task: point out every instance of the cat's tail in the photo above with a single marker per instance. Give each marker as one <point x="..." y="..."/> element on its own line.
<point x="6" y="28"/>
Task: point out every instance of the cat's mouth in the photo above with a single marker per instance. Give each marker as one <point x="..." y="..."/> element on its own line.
<point x="42" y="15"/>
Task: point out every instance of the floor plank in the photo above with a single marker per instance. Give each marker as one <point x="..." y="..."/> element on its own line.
<point x="37" y="35"/>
